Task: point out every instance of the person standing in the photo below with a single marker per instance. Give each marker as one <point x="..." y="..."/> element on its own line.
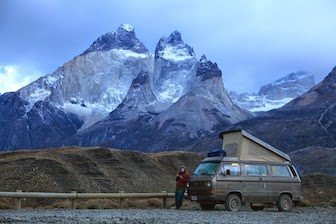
<point x="181" y="181"/>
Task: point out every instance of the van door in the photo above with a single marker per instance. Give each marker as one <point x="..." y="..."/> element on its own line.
<point x="229" y="179"/>
<point x="283" y="180"/>
<point x="255" y="187"/>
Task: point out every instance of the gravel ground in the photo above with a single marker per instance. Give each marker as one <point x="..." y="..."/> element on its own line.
<point x="297" y="215"/>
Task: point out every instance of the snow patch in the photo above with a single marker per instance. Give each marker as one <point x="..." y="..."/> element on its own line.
<point x="127" y="27"/>
<point x="128" y="53"/>
<point x="171" y="93"/>
<point x="175" y="53"/>
<point x="37" y="95"/>
<point x="271" y="105"/>
<point x="90" y="113"/>
<point x="51" y="80"/>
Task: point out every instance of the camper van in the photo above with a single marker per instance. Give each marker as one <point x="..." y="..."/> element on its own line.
<point x="248" y="171"/>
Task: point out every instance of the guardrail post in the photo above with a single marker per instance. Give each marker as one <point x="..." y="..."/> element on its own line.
<point x="18" y="201"/>
<point x="164" y="200"/>
<point x="121" y="199"/>
<point x="73" y="200"/>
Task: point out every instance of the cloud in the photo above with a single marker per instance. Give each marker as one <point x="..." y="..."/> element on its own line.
<point x="13" y="77"/>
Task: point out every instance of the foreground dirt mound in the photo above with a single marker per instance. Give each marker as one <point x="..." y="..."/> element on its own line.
<point x="92" y="170"/>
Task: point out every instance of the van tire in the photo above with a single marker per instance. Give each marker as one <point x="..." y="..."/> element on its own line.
<point x="207" y="206"/>
<point x="257" y="207"/>
<point x="284" y="203"/>
<point x="233" y="203"/>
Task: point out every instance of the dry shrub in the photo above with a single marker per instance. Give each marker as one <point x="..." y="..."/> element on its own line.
<point x="185" y="204"/>
<point x="4" y="205"/>
<point x="323" y="204"/>
<point x="134" y="204"/>
<point x="97" y="204"/>
<point x="144" y="203"/>
<point x="87" y="204"/>
<point x="304" y="203"/>
<point x="196" y="207"/>
<point x="332" y="202"/>
<point x="154" y="202"/>
<point x="61" y="204"/>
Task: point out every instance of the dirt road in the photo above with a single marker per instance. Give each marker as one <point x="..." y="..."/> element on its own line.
<point x="298" y="215"/>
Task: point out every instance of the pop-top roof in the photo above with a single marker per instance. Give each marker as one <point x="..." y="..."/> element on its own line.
<point x="258" y="141"/>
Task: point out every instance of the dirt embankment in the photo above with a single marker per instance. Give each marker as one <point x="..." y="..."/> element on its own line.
<point x="92" y="170"/>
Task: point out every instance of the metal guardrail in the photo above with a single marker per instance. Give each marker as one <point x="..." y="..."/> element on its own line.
<point x="19" y="195"/>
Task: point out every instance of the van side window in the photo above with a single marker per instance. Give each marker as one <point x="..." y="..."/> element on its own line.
<point x="233" y="167"/>
<point x="280" y="171"/>
<point x="293" y="171"/>
<point x="256" y="170"/>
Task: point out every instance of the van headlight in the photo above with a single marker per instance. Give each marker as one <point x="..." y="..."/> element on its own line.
<point x="209" y="184"/>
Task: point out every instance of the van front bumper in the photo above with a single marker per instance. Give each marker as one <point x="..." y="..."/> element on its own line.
<point x="201" y="197"/>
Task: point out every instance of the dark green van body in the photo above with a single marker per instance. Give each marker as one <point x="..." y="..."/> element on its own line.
<point x="255" y="182"/>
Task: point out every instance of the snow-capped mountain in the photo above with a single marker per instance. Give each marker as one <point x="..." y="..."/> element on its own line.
<point x="201" y="112"/>
<point x="118" y="94"/>
<point x="275" y="94"/>
<point x="94" y="83"/>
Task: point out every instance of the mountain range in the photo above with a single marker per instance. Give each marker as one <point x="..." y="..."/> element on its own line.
<point x="275" y="94"/>
<point x="118" y="94"/>
<point x="305" y="127"/>
<point x="308" y="120"/>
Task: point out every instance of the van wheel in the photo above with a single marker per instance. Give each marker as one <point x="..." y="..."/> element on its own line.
<point x="233" y="203"/>
<point x="257" y="207"/>
<point x="284" y="203"/>
<point x="207" y="206"/>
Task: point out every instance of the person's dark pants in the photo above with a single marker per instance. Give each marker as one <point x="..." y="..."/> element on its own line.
<point x="179" y="195"/>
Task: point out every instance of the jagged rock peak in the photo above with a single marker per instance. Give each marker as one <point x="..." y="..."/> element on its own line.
<point x="207" y="69"/>
<point x="126" y="27"/>
<point x="295" y="77"/>
<point x="123" y="39"/>
<point x="173" y="48"/>
<point x="332" y="73"/>
<point x="175" y="38"/>
<point x="204" y="59"/>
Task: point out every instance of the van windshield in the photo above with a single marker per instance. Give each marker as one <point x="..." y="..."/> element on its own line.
<point x="206" y="168"/>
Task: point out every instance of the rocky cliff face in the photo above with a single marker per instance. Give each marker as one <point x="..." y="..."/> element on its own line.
<point x="118" y="94"/>
<point x="308" y="120"/>
<point x="175" y="68"/>
<point x="202" y="112"/>
<point x="275" y="94"/>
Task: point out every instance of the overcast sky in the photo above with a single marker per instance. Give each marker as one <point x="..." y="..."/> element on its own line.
<point x="253" y="42"/>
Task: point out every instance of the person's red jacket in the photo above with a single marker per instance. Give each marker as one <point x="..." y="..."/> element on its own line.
<point x="182" y="179"/>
